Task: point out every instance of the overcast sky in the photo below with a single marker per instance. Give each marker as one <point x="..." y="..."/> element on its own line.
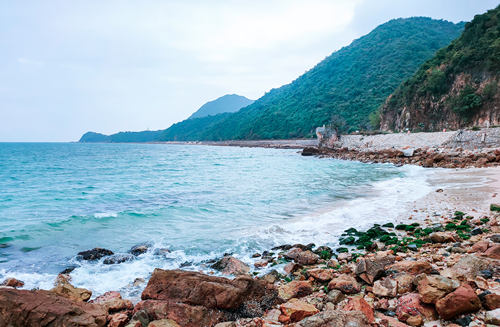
<point x="67" y="67"/>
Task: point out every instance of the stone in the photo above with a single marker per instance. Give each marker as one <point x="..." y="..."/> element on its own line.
<point x="493" y="252"/>
<point x="415" y="320"/>
<point x="12" y="282"/>
<point x="64" y="288"/>
<point x="490" y="301"/>
<point x="462" y="300"/>
<point x="386" y="287"/>
<point x="390" y="321"/>
<point x="295" y="288"/>
<point x="95" y="254"/>
<point x="113" y="302"/>
<point x="412" y="267"/>
<point x="434" y="287"/>
<point x="334" y="296"/>
<point x="359" y="304"/>
<point x="139" y="249"/>
<point x="345" y="283"/>
<point x="117" y="320"/>
<point x="405" y="282"/>
<point x="303" y="257"/>
<point x="197" y="289"/>
<point x="321" y="275"/>
<point x="229" y="265"/>
<point x="291" y="267"/>
<point x="495" y="238"/>
<point x="442" y="237"/>
<point x="163" y="323"/>
<point x="410" y="305"/>
<point x="468" y="266"/>
<point x="335" y="318"/>
<point x="260" y="263"/>
<point x="117" y="258"/>
<point x="480" y="246"/>
<point x="271" y="277"/>
<point x="370" y="269"/>
<point x="492" y="317"/>
<point x="45" y="308"/>
<point x="297" y="310"/>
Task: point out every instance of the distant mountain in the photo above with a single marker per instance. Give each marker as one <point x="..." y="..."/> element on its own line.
<point x="458" y="87"/>
<point x="226" y="103"/>
<point x="121" y="137"/>
<point x="350" y="84"/>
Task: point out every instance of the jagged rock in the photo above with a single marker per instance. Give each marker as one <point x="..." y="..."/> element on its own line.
<point x="64" y="288"/>
<point x="468" y="266"/>
<point x="113" y="302"/>
<point x="117" y="320"/>
<point x="295" y="288"/>
<point x="442" y="237"/>
<point x="405" y="282"/>
<point x="163" y="323"/>
<point x="296" y="310"/>
<point x="12" y="282"/>
<point x="490" y="301"/>
<point x="231" y="266"/>
<point x="334" y="296"/>
<point x="291" y="267"/>
<point x="411" y="267"/>
<point x="310" y="151"/>
<point x="95" y="254"/>
<point x="410" y="305"/>
<point x="434" y="287"/>
<point x="45" y="308"/>
<point x="261" y="263"/>
<point x="480" y="246"/>
<point x="345" y="283"/>
<point x="386" y="287"/>
<point x="390" y="322"/>
<point x="320" y="274"/>
<point x="271" y="277"/>
<point x="334" y="318"/>
<point x="462" y="300"/>
<point x="303" y="257"/>
<point x="359" y="304"/>
<point x="140" y="249"/>
<point x="370" y="269"/>
<point x="493" y="252"/>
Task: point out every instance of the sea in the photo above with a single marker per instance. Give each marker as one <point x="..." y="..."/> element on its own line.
<point x="189" y="204"/>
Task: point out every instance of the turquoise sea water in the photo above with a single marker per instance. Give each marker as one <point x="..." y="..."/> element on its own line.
<point x="57" y="199"/>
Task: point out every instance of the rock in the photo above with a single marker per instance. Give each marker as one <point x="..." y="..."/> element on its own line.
<point x="138" y="281"/>
<point x="139" y="249"/>
<point x="468" y="266"/>
<point x="95" y="254"/>
<point x="113" y="302"/>
<point x="434" y="287"/>
<point x="12" y="282"/>
<point x="386" y="287"/>
<point x="260" y="263"/>
<point x="320" y="274"/>
<point x="491" y="301"/>
<point x="334" y="296"/>
<point x="405" y="282"/>
<point x="229" y="265"/>
<point x="295" y="288"/>
<point x="492" y="317"/>
<point x="480" y="246"/>
<point x="139" y="319"/>
<point x="442" y="237"/>
<point x="408" y="152"/>
<point x="495" y="238"/>
<point x="64" y="288"/>
<point x="410" y="305"/>
<point x="370" y="269"/>
<point x="163" y="323"/>
<point x="303" y="257"/>
<point x="271" y="277"/>
<point x="117" y="258"/>
<point x="389" y="321"/>
<point x="335" y="318"/>
<point x="310" y="151"/>
<point x="345" y="283"/>
<point x="297" y="310"/>
<point x="118" y="320"/>
<point x="493" y="252"/>
<point x="415" y="320"/>
<point x="359" y="304"/>
<point x="45" y="308"/>
<point x="196" y="289"/>
<point x="462" y="300"/>
<point x="412" y="267"/>
<point x="291" y="267"/>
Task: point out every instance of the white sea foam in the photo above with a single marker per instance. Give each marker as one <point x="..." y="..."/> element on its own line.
<point x="106" y="214"/>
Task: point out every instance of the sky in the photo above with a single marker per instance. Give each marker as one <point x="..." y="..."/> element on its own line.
<point x="68" y="67"/>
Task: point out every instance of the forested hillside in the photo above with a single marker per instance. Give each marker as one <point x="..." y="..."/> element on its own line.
<point x="226" y="103"/>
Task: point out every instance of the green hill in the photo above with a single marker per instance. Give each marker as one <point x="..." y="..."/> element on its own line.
<point x="226" y="103"/>
<point x="456" y="88"/>
<point x="351" y="83"/>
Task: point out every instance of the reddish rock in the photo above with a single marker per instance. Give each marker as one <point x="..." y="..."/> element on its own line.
<point x="320" y="274"/>
<point x="411" y="267"/>
<point x="302" y="257"/>
<point x="261" y="263"/>
<point x="335" y="318"/>
<point x="297" y="310"/>
<point x="405" y="282"/>
<point x="434" y="287"/>
<point x="493" y="252"/>
<point x="491" y="301"/>
<point x="389" y="321"/>
<point x="163" y="323"/>
<point x="480" y="246"/>
<point x="462" y="300"/>
<point x="295" y="288"/>
<point x="291" y="267"/>
<point x="410" y="305"/>
<point x="12" y="282"/>
<point x="345" y="283"/>
<point x="118" y="320"/>
<point x="64" y="288"/>
<point x="231" y="266"/>
<point x="45" y="308"/>
<point x="386" y="287"/>
<point x="442" y="237"/>
<point x="359" y="304"/>
<point x="370" y="269"/>
<point x="113" y="302"/>
<point x="195" y="288"/>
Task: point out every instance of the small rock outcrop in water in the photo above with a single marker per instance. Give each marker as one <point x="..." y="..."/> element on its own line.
<point x="12" y="282"/>
<point x="140" y="249"/>
<point x="95" y="254"/>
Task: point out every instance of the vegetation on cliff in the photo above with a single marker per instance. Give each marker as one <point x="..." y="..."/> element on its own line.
<point x="226" y="103"/>
<point x="455" y="88"/>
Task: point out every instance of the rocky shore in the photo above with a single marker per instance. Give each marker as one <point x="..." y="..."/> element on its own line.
<point x="418" y="274"/>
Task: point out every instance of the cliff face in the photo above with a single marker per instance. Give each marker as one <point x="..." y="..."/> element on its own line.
<point x="459" y="87"/>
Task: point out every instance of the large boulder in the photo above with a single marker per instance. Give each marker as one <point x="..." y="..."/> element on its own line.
<point x="64" y="288"/>
<point x="357" y="303"/>
<point x="462" y="300"/>
<point x="410" y="305"/>
<point x="303" y="257"/>
<point x="94" y="254"/>
<point x="434" y="287"/>
<point x="229" y="265"/>
<point x="370" y="269"/>
<point x="19" y="308"/>
<point x="243" y="296"/>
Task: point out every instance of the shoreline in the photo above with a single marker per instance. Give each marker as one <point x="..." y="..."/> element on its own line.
<point x="467" y="190"/>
